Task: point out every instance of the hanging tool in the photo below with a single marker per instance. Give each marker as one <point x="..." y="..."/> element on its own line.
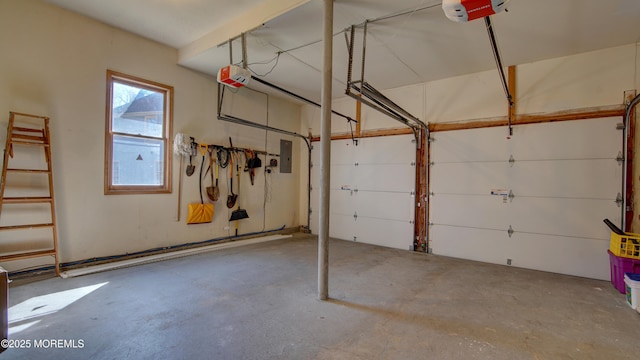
<point x="191" y="168"/>
<point x="231" y="198"/>
<point x="181" y="147"/>
<point x="238" y="213"/>
<point x="253" y="162"/>
<point x="200" y="212"/>
<point x="212" y="191"/>
<point x="216" y="189"/>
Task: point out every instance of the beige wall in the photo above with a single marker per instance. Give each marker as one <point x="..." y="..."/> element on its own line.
<point x="54" y="64"/>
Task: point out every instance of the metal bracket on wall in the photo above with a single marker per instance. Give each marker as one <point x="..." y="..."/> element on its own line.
<point x="620" y="158"/>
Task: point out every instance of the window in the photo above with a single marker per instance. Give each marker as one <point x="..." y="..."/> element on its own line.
<point x="138" y="133"/>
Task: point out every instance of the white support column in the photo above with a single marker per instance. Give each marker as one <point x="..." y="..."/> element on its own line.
<point x="325" y="152"/>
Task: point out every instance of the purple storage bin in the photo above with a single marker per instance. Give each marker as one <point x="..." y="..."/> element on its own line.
<point x="619" y="266"/>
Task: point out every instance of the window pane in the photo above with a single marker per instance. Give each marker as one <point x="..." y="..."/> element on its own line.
<point x="137" y="111"/>
<point x="137" y="161"/>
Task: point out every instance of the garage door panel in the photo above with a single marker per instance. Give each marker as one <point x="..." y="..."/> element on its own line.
<point x="342" y="202"/>
<point x="564" y="255"/>
<point x="598" y="179"/>
<point x="377" y="205"/>
<point x="488" y="144"/>
<point x="472" y="211"/>
<point x="386" y="150"/>
<point x="386" y="177"/>
<point x="567" y="217"/>
<point x="567" y="139"/>
<point x="373" y="180"/>
<point x="564" y="179"/>
<point x="342" y="152"/>
<point x="342" y="226"/>
<point x="468" y="178"/>
<point x="384" y="232"/>
<point x="490" y="246"/>
<point x="342" y="175"/>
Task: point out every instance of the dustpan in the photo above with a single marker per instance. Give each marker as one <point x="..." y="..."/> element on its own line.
<point x="239" y="214"/>
<point x="200" y="212"/>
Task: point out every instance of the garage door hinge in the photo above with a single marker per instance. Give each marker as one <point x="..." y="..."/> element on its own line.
<point x="356" y="164"/>
<point x="413" y="163"/>
<point x="620" y="158"/>
<point x="619" y="200"/>
<point x="355" y="216"/>
<point x="511" y="160"/>
<point x="510" y="231"/>
<point x="432" y="163"/>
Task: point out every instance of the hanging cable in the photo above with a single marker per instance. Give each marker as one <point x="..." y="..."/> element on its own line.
<point x="223" y="155"/>
<point x="276" y="58"/>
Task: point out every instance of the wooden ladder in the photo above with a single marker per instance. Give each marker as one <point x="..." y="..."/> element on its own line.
<point x="19" y="137"/>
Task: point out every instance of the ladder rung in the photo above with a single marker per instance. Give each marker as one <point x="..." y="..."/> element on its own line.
<point x="28" y="255"/>
<point x="29" y="143"/>
<point x="27" y="137"/>
<point x="43" y="171"/>
<point x="24" y="129"/>
<point x="26" y="226"/>
<point x="29" y="115"/>
<point x="26" y="200"/>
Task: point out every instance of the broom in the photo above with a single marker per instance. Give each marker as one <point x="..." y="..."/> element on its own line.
<point x="238" y="213"/>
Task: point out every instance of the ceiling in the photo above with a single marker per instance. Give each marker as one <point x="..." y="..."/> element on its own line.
<point x="418" y="45"/>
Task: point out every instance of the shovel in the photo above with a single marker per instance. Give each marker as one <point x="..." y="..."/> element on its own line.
<point x="191" y="168"/>
<point x="231" y="198"/>
<point x="213" y="193"/>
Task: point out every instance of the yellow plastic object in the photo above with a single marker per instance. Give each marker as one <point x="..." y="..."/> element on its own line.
<point x="627" y="246"/>
<point x="200" y="213"/>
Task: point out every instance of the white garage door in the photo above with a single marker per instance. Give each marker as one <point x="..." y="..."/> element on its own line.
<point x="564" y="178"/>
<point x="372" y="187"/>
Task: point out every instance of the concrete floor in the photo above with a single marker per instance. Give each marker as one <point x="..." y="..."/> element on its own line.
<point x="259" y="302"/>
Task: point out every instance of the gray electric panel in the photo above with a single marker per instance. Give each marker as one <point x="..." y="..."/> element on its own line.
<point x="286" y="149"/>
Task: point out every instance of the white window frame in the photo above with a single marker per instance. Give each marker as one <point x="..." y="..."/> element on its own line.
<point x="165" y="187"/>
